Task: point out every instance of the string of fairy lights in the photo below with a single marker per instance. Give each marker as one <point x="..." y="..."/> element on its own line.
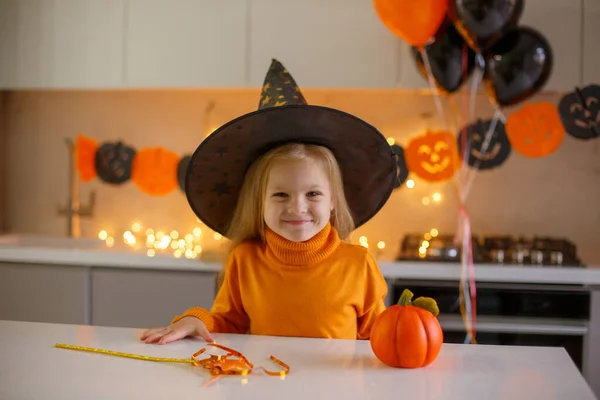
<point x="187" y="245"/>
<point x="190" y="245"/>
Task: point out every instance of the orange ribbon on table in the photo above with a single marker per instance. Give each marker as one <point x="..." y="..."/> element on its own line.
<point x="232" y="363"/>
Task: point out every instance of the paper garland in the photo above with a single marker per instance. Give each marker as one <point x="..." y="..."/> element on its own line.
<point x="580" y="112"/>
<point x="536" y="130"/>
<point x="472" y="138"/>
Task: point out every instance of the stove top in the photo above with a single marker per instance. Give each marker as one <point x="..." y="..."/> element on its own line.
<point x="536" y="251"/>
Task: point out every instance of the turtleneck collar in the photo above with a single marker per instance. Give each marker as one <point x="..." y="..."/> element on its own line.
<point x="310" y="252"/>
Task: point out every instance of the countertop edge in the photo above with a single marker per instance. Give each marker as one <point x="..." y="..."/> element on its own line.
<point x="391" y="270"/>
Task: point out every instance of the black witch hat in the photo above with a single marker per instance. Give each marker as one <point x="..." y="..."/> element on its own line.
<point x="216" y="170"/>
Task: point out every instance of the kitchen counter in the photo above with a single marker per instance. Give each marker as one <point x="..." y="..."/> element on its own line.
<point x="32" y="368"/>
<point x="94" y="253"/>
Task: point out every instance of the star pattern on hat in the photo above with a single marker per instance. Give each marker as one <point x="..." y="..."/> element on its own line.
<point x="222" y="188"/>
<point x="279" y="88"/>
<point x="222" y="150"/>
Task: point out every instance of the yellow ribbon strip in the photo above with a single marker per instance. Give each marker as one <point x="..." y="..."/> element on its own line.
<point x="217" y="365"/>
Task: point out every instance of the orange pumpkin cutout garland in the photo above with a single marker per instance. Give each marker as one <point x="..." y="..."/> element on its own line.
<point x="432" y="156"/>
<point x="535" y="130"/>
<point x="86" y="156"/>
<point x="408" y="335"/>
<point x="154" y="171"/>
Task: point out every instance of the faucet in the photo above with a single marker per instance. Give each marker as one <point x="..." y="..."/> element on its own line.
<point x="74" y="210"/>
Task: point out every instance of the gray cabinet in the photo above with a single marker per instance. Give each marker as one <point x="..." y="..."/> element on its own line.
<point x="61" y="44"/>
<point x="345" y="46"/>
<point x="186" y="43"/>
<point x="591" y="40"/>
<point x="141" y="298"/>
<point x="43" y="293"/>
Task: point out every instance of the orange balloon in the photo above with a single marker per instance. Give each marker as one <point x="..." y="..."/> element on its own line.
<point x="85" y="151"/>
<point x="154" y="171"/>
<point x="414" y="21"/>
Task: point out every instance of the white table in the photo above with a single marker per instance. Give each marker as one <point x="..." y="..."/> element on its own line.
<point x="32" y="368"/>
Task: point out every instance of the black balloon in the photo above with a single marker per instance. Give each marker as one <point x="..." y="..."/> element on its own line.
<point x="517" y="66"/>
<point x="446" y="57"/>
<point x="580" y="112"/>
<point x="498" y="148"/>
<point x="401" y="168"/>
<point x="113" y="162"/>
<point x="483" y="22"/>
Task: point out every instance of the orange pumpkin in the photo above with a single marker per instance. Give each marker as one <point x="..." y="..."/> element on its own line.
<point x="86" y="155"/>
<point x="535" y="130"/>
<point x="432" y="156"/>
<point x="408" y="335"/>
<point x="154" y="171"/>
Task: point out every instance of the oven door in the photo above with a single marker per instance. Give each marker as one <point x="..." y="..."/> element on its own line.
<point x="513" y="314"/>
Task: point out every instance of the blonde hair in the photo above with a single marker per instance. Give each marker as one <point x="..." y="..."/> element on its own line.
<point x="248" y="223"/>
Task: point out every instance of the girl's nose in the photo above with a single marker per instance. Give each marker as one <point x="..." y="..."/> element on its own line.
<point x="297" y="205"/>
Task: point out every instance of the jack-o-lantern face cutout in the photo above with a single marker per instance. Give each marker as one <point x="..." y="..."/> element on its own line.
<point x="432" y="156"/>
<point x="580" y="112"/>
<point x="401" y="168"/>
<point x="535" y="130"/>
<point x="113" y="162"/>
<point x="473" y="137"/>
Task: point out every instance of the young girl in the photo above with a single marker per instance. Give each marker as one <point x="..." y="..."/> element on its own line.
<point x="306" y="178"/>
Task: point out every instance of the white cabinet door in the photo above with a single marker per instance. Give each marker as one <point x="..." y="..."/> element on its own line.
<point x="591" y="42"/>
<point x="186" y="43"/>
<point x="61" y="43"/>
<point x="560" y="22"/>
<point x="329" y="44"/>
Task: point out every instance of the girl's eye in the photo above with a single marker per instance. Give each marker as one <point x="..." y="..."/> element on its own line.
<point x="279" y="194"/>
<point x="313" y="194"/>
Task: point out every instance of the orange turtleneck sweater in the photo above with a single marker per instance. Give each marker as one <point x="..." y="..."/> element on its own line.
<point x="319" y="288"/>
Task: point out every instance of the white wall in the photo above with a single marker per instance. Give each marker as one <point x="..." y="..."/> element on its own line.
<point x="556" y="196"/>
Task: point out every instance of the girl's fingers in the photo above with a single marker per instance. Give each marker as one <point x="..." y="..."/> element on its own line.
<point x="152" y="331"/>
<point x="155" y="337"/>
<point x="204" y="333"/>
<point x="172" y="336"/>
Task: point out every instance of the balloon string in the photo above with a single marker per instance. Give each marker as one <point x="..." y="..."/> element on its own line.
<point x="484" y="146"/>
<point x="467" y="292"/>
<point x="438" y="103"/>
<point x="433" y="87"/>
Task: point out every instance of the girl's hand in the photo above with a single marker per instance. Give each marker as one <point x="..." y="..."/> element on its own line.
<point x="188" y="326"/>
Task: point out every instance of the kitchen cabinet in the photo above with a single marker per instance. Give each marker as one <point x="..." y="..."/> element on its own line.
<point x="187" y="43"/>
<point x="139" y="298"/>
<point x="42" y="293"/>
<point x="61" y="43"/>
<point x="560" y="22"/>
<point x="66" y="44"/>
<point x="328" y="44"/>
<point x="591" y="42"/>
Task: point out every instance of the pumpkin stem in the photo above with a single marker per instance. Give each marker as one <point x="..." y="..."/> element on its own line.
<point x="426" y="303"/>
<point x="405" y="298"/>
